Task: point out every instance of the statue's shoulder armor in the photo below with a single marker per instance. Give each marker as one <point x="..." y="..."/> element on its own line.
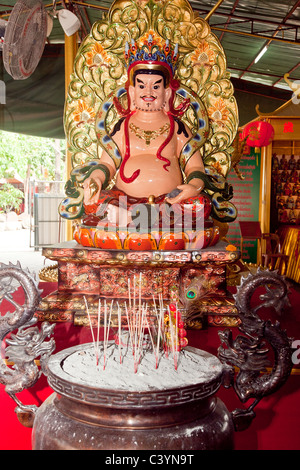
<point x="181" y="127"/>
<point x="117" y="126"/>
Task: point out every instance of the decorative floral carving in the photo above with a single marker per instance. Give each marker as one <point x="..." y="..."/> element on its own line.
<point x="83" y="113"/>
<point x="97" y="56"/>
<point x="204" y="55"/>
<point x="218" y="112"/>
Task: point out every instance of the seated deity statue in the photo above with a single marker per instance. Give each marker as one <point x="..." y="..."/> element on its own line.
<point x="150" y="140"/>
<point x="141" y="185"/>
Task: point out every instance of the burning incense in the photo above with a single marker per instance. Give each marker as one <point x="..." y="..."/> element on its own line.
<point x="161" y="335"/>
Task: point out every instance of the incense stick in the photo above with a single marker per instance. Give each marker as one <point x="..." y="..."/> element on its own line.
<point x="119" y="332"/>
<point x="159" y="333"/>
<point x="142" y="331"/>
<point x="107" y="329"/>
<point x="91" y="327"/>
<point x="104" y="337"/>
<point x="129" y="324"/>
<point x="98" y="330"/>
<point x="175" y="328"/>
<point x="129" y="294"/>
<point x="173" y="339"/>
<point x="134" y="293"/>
<point x="152" y="342"/>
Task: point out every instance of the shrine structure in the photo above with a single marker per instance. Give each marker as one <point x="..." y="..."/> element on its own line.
<point x="150" y="119"/>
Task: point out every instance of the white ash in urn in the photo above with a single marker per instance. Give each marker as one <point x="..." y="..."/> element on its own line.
<point x="194" y="366"/>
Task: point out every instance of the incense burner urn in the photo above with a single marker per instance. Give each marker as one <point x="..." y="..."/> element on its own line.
<point x="85" y="417"/>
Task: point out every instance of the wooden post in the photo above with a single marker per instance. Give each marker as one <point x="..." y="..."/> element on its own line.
<point x="265" y="187"/>
<point x="71" y="46"/>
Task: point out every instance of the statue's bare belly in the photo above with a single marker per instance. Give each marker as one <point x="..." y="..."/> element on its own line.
<point x="153" y="178"/>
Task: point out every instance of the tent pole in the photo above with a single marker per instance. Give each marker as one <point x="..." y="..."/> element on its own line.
<point x="71" y="46"/>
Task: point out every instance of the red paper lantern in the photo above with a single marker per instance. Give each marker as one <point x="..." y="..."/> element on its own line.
<point x="260" y="133"/>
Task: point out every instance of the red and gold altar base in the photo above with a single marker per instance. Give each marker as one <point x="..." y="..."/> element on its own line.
<point x="195" y="280"/>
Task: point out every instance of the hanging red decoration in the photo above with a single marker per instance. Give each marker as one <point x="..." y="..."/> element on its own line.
<point x="260" y="133"/>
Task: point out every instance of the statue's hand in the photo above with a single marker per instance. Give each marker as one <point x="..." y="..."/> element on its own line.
<point x="92" y="187"/>
<point x="186" y="191"/>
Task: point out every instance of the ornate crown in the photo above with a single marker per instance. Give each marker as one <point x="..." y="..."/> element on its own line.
<point x="152" y="53"/>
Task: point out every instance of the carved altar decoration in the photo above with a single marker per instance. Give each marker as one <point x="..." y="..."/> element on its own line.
<point x="194" y="280"/>
<point x="190" y="134"/>
<point x="167" y="32"/>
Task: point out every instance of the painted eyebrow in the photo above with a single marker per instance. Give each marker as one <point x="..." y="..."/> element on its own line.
<point x="141" y="81"/>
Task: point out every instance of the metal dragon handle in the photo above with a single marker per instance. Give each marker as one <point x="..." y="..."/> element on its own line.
<point x="27" y="344"/>
<point x="249" y="353"/>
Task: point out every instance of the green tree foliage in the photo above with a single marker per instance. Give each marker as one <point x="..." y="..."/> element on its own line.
<point x="10" y="198"/>
<point x="18" y="152"/>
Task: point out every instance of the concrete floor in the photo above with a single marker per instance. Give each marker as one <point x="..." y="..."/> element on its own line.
<point x="15" y="246"/>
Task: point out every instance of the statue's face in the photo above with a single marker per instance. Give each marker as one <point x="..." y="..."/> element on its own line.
<point x="149" y="93"/>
